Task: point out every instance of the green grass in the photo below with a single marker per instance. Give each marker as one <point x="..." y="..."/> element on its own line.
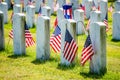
<point x="26" y="67"/>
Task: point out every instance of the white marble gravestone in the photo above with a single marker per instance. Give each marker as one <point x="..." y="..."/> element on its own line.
<point x="46" y="11"/>
<point x="88" y="8"/>
<point x="83" y="2"/>
<point x="60" y="15"/>
<point x="43" y="38"/>
<point x="98" y="39"/>
<point x="71" y="26"/>
<point x="96" y="3"/>
<point x="30" y="15"/>
<point x="79" y="18"/>
<point x="17" y="8"/>
<point x="2" y="42"/>
<point x="37" y="5"/>
<point x="19" y="34"/>
<point x="50" y="4"/>
<point x="75" y="4"/>
<point x="95" y="16"/>
<point x="17" y="1"/>
<point x="117" y="5"/>
<point x="4" y="9"/>
<point x="116" y="26"/>
<point x="8" y="3"/>
<point x="25" y="4"/>
<point x="103" y="9"/>
<point x="61" y="3"/>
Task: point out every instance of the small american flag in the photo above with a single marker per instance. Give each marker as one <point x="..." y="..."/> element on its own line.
<point x="55" y="40"/>
<point x="106" y="22"/>
<point x="55" y="22"/>
<point x="28" y="37"/>
<point x="70" y="48"/>
<point x="67" y="9"/>
<point x="40" y="11"/>
<point x="87" y="51"/>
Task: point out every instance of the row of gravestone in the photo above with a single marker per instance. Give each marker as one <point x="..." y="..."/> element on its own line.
<point x="97" y="33"/>
<point x="31" y="9"/>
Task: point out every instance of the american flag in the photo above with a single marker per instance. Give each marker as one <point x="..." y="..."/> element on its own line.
<point x="87" y="51"/>
<point x="55" y="39"/>
<point x="55" y="22"/>
<point x="40" y="11"/>
<point x="28" y="37"/>
<point x="67" y="9"/>
<point x="106" y="22"/>
<point x="70" y="48"/>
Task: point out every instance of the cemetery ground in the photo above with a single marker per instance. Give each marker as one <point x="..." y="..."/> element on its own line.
<point x="26" y="67"/>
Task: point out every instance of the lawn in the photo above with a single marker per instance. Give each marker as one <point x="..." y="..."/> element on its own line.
<point x="26" y="67"/>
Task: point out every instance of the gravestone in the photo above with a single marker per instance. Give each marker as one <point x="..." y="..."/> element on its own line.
<point x="50" y="4"/>
<point x="61" y="3"/>
<point x="17" y="1"/>
<point x="75" y="4"/>
<point x="60" y="15"/>
<point x="116" y="26"/>
<point x="95" y="16"/>
<point x="19" y="34"/>
<point x="43" y="38"/>
<point x="96" y="3"/>
<point x="103" y="9"/>
<point x="98" y="39"/>
<point x="8" y="3"/>
<point x="4" y="9"/>
<point x="2" y="42"/>
<point x="30" y="15"/>
<point x="25" y="4"/>
<point x="37" y="5"/>
<point x="117" y="5"/>
<point x="79" y="18"/>
<point x="17" y="8"/>
<point x="83" y="2"/>
<point x="88" y="8"/>
<point x="46" y="11"/>
<point x="71" y="26"/>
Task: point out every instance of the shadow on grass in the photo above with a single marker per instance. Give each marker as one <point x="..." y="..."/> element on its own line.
<point x="92" y="75"/>
<point x="17" y="56"/>
<point x="114" y="40"/>
<point x="41" y="61"/>
<point x="65" y="67"/>
<point x="37" y="62"/>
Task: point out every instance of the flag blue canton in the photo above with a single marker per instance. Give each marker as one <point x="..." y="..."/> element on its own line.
<point x="57" y="31"/>
<point x="26" y="26"/>
<point x="68" y="37"/>
<point x="88" y="42"/>
<point x="106" y="17"/>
